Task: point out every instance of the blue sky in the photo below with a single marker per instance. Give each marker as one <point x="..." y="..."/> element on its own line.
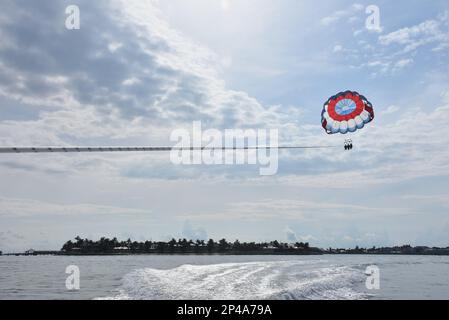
<point x="136" y="70"/>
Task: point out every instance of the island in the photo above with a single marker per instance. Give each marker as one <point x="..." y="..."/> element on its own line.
<point x="106" y="246"/>
<point x="184" y="246"/>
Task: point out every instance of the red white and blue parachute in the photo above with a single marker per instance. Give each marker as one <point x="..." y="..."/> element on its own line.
<point x="346" y="112"/>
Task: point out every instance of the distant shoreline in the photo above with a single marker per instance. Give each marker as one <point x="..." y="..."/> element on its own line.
<point x="114" y="247"/>
<point x="61" y="253"/>
<point x="58" y="253"/>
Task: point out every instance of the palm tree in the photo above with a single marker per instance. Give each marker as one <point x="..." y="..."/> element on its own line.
<point x="68" y="246"/>
<point x="79" y="241"/>
<point x="222" y="245"/>
<point x="171" y="245"/>
<point x="210" y="245"/>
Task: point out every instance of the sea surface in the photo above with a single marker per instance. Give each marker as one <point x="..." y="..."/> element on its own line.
<point x="225" y="277"/>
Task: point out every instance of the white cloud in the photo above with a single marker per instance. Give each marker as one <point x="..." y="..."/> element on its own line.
<point x="193" y="233"/>
<point x="435" y="199"/>
<point x="307" y="237"/>
<point x="146" y="73"/>
<point x="290" y="235"/>
<point x="445" y="96"/>
<point x="114" y="46"/>
<point x="347" y="13"/>
<point x="428" y="32"/>
<point x="337" y="48"/>
<point x="297" y="210"/>
<point x="130" y="81"/>
<point x="27" y="208"/>
<point x="403" y="63"/>
<point x="225" y="4"/>
<point x="391" y="109"/>
<point x="398" y="49"/>
<point x="408" y="35"/>
<point x="381" y="66"/>
<point x="387" y="65"/>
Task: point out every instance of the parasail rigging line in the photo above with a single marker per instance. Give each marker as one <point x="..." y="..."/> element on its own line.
<point x="144" y="149"/>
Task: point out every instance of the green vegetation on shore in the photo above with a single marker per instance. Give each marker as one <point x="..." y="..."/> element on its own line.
<point x="106" y="246"/>
<point x="183" y="246"/>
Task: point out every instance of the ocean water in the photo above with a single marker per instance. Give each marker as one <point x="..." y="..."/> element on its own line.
<point x="225" y="277"/>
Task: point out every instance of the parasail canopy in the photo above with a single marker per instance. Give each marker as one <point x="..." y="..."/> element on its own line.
<point x="346" y="112"/>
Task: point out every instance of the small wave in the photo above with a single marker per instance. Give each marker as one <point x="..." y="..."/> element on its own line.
<point x="243" y="281"/>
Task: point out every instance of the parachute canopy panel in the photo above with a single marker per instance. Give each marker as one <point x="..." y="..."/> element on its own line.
<point x="346" y="112"/>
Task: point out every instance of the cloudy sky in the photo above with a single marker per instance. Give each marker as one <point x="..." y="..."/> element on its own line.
<point x="136" y="70"/>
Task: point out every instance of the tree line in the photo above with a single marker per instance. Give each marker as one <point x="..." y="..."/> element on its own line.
<point x="106" y="245"/>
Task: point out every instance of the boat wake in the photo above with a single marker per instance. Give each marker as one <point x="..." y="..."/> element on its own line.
<point x="255" y="280"/>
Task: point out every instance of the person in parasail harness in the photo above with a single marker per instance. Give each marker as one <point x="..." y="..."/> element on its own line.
<point x="348" y="144"/>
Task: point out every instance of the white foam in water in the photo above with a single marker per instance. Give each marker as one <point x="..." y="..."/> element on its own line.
<point x="244" y="281"/>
